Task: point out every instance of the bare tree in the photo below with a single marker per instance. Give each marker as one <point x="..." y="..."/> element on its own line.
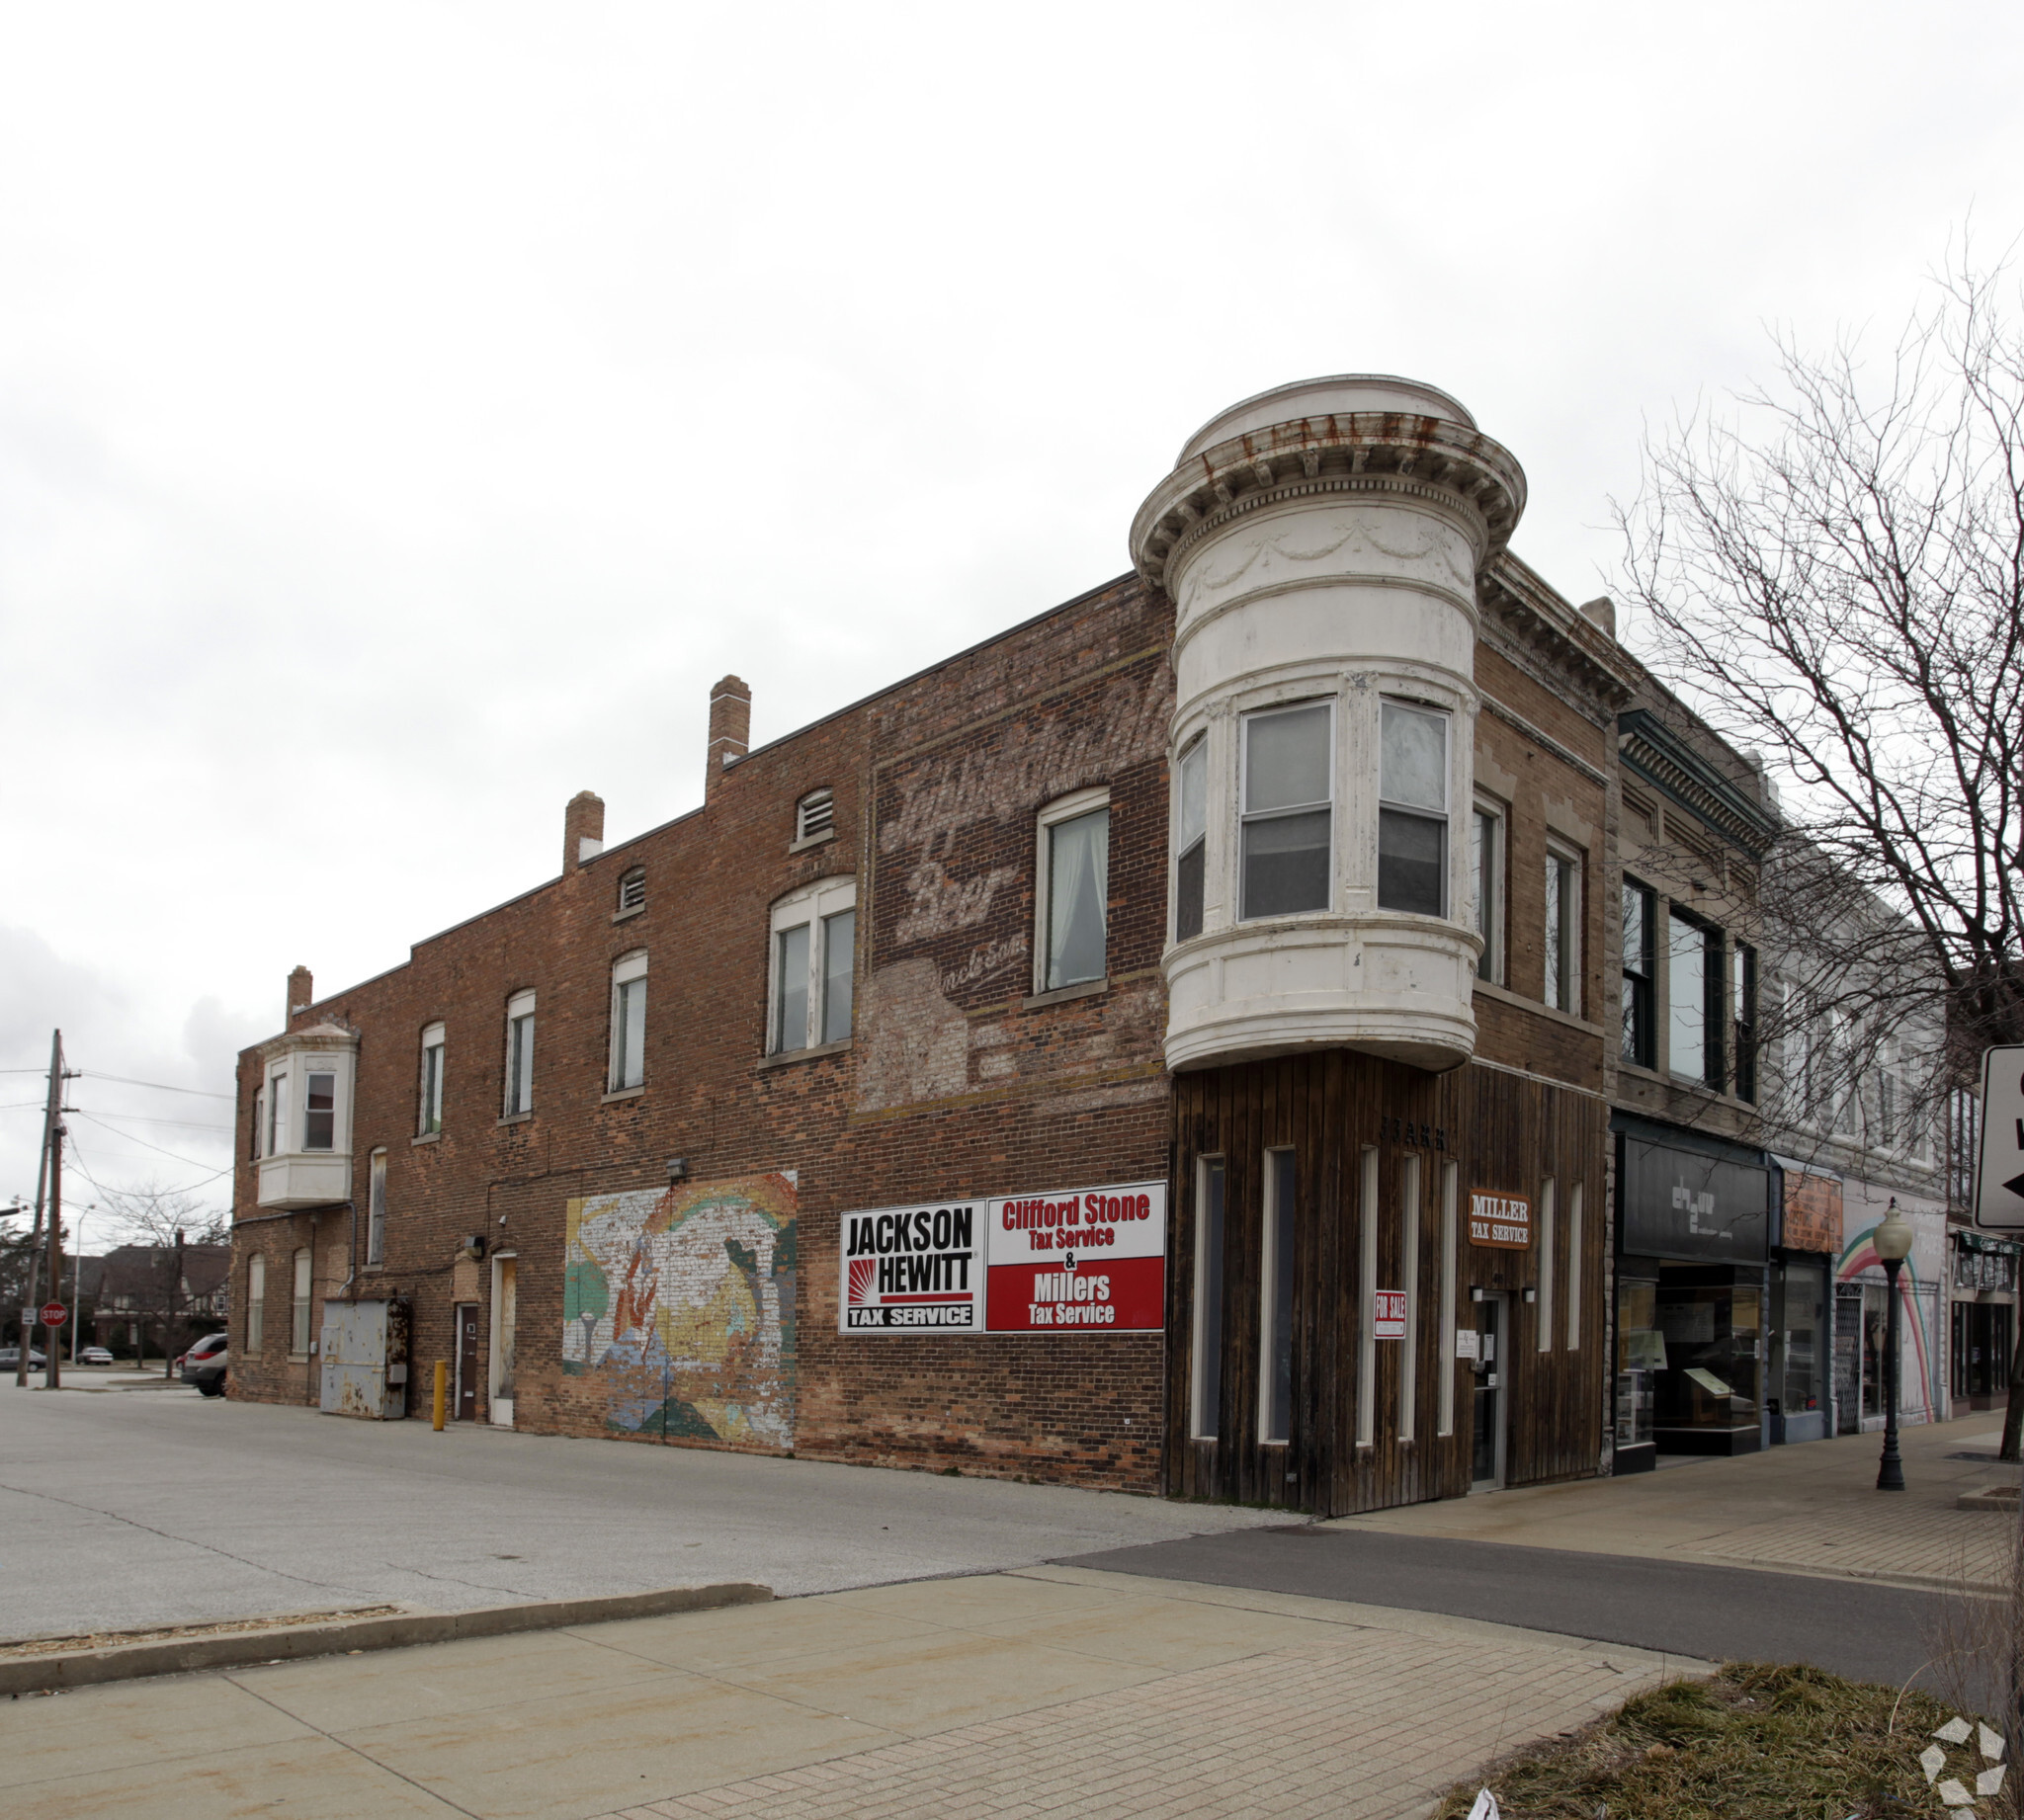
<point x="155" y="1215"/>
<point x="1832" y="574"/>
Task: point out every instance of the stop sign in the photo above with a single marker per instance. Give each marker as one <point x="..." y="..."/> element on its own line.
<point x="54" y="1314"/>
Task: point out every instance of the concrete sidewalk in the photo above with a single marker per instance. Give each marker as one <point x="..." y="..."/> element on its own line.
<point x="1046" y="1690"/>
<point x="1809" y="1509"/>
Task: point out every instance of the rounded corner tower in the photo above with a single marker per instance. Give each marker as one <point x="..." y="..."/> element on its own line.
<point x="1321" y="544"/>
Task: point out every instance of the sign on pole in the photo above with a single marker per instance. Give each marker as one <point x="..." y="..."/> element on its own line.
<point x="2000" y="1159"/>
<point x="54" y="1314"/>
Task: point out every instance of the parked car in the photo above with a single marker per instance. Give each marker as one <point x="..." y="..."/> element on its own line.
<point x="204" y="1364"/>
<point x="10" y="1358"/>
<point x="93" y="1354"/>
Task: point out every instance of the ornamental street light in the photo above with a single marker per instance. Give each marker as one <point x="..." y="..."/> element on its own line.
<point x="1892" y="1240"/>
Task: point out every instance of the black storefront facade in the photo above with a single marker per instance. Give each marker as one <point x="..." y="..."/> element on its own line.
<point x="1694" y="1232"/>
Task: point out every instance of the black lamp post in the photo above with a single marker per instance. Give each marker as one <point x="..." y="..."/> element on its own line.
<point x="1892" y="1240"/>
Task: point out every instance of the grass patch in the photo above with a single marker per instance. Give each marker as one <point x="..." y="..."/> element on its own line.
<point x="1756" y="1741"/>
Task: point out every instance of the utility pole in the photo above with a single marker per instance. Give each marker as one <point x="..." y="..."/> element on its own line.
<point x="52" y="1366"/>
<point x="32" y="1300"/>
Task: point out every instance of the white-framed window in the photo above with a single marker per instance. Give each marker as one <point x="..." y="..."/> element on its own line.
<point x="519" y="1054"/>
<point x="256" y="1302"/>
<point x="259" y="1121"/>
<point x="1288" y="819"/>
<point x="627" y="1066"/>
<point x="1563" y="942"/>
<point x="1694" y="1000"/>
<point x="376" y="1211"/>
<point x="298" y="1308"/>
<point x="279" y="1135"/>
<point x="1486" y="887"/>
<point x="1191" y="838"/>
<point x="1412" y="810"/>
<point x="814" y="816"/>
<point x="1073" y="891"/>
<point x="632" y="890"/>
<point x="320" y="1111"/>
<point x="813" y="951"/>
<point x="432" y="1080"/>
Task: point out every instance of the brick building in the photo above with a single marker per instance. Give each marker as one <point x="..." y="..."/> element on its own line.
<point x="1169" y="1045"/>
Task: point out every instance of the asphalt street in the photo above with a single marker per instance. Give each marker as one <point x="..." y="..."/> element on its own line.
<point x="1871" y="1632"/>
<point x="149" y="1507"/>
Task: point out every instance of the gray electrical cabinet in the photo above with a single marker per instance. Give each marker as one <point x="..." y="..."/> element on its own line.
<point x="365" y="1346"/>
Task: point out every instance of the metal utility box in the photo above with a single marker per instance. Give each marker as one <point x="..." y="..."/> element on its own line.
<point x="364" y="1360"/>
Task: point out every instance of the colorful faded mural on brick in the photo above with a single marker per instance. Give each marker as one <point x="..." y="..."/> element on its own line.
<point x="680" y="1303"/>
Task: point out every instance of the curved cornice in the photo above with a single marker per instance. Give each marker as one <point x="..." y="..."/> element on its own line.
<point x="1433" y="458"/>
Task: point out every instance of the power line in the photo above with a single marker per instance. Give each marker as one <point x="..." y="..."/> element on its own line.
<point x="141" y="1142"/>
<point x="187" y="1124"/>
<point x="116" y="1192"/>
<point x="203" y="1093"/>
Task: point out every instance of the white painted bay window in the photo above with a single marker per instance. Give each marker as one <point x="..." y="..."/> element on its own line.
<point x="1287" y="815"/>
<point x="1412" y="811"/>
<point x="1191" y="841"/>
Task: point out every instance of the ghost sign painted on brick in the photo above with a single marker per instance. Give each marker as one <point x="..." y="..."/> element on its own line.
<point x="680" y="1303"/>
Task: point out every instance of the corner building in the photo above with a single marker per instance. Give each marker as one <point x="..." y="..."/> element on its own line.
<point x="1161" y="1048"/>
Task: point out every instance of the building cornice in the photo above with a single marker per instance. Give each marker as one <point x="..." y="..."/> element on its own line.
<point x="1671" y="766"/>
<point x="1549" y="638"/>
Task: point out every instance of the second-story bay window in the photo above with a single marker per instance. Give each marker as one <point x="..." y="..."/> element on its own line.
<point x="1288" y="818"/>
<point x="319" y="1112"/>
<point x="1191" y="841"/>
<point x="1412" y="811"/>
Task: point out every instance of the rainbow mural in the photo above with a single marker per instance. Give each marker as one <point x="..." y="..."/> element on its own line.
<point x="1859" y="1255"/>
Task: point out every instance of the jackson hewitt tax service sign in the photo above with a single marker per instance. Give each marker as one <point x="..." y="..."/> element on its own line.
<point x="1067" y="1259"/>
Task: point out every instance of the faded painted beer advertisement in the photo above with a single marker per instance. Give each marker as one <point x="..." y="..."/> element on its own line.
<point x="1089" y="1260"/>
<point x="913" y="1269"/>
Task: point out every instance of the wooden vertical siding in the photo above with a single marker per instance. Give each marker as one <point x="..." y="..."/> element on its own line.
<point x="1507" y="1134"/>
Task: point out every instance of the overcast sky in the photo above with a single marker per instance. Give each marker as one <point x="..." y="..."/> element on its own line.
<point x="407" y="412"/>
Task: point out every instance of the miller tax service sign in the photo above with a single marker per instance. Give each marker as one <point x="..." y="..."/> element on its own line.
<point x="1079" y="1260"/>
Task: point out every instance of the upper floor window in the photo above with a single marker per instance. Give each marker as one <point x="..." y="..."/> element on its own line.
<point x="814" y="816"/>
<point x="298" y="1306"/>
<point x="519" y="1054"/>
<point x="375" y="1211"/>
<point x="632" y="890"/>
<point x="432" y="1080"/>
<point x="814" y="953"/>
<point x="1486" y="882"/>
<point x="1640" y="976"/>
<point x="1286" y="818"/>
<point x="277" y="1132"/>
<point x="319" y="1112"/>
<point x="1074" y="890"/>
<point x="256" y="1302"/>
<point x="1191" y="841"/>
<point x="1694" y="999"/>
<point x="1563" y="991"/>
<point x="259" y="1121"/>
<point x="1412" y="812"/>
<point x="629" y="1022"/>
<point x="1743" y="1022"/>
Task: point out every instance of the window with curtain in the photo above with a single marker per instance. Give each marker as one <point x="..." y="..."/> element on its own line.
<point x="1191" y="841"/>
<point x="628" y="1023"/>
<point x="1288" y="817"/>
<point x="1076" y="846"/>
<point x="1412" y="811"/>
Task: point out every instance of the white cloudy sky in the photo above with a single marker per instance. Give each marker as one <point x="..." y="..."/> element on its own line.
<point x="406" y="411"/>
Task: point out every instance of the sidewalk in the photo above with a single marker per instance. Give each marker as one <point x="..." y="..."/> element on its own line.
<point x="1006" y="1695"/>
<point x="1809" y="1509"/>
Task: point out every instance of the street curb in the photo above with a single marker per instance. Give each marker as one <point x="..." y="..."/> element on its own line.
<point x="86" y="1667"/>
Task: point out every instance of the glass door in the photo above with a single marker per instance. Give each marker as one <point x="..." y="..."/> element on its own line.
<point x="1489" y="1471"/>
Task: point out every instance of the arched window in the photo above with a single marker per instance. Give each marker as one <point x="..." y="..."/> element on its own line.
<point x="1073" y="862"/>
<point x="815" y="950"/>
<point x="629" y="1022"/>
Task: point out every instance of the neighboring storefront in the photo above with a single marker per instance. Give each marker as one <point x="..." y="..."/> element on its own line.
<point x="1693" y="1236"/>
<point x="1984" y="1336"/>
<point x="1798" y="1389"/>
<point x="1862" y="1310"/>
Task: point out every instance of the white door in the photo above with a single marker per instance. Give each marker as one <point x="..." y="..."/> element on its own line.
<point x="505" y="1318"/>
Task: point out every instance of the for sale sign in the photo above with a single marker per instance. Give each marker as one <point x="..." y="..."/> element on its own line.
<point x="1390" y="1314"/>
<point x="913" y="1269"/>
<point x="1085" y="1259"/>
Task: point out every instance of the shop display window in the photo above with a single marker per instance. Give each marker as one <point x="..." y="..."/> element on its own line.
<point x="1640" y="1357"/>
<point x="1713" y="1335"/>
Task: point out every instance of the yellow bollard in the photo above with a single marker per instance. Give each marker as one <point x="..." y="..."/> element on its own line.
<point x="442" y="1390"/>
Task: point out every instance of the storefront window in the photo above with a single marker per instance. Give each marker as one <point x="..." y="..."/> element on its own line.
<point x="1713" y="1335"/>
<point x="1640" y="1357"/>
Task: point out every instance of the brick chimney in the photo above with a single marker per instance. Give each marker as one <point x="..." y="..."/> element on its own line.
<point x="583" y="830"/>
<point x="302" y="994"/>
<point x="730" y="730"/>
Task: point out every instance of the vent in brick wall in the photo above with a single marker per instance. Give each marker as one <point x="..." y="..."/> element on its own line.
<point x="815" y="814"/>
<point x="632" y="889"/>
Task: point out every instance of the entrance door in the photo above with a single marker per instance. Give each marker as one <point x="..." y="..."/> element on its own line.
<point x="466" y="1361"/>
<point x="1491" y="1328"/>
<point x="505" y="1318"/>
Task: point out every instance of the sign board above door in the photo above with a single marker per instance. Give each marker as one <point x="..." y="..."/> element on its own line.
<point x="1502" y="1222"/>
